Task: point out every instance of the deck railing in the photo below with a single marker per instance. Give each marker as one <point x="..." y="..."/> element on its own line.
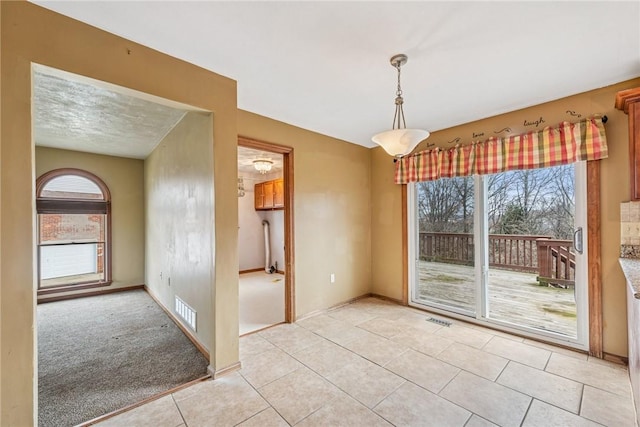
<point x="550" y="258"/>
<point x="557" y="264"/>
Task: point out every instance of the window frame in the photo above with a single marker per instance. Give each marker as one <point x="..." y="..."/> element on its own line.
<point x="52" y="205"/>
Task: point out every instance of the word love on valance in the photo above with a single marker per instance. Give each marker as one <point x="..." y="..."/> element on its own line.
<point x="551" y="146"/>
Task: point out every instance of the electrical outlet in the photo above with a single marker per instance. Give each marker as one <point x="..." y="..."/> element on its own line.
<point x="332" y="278"/>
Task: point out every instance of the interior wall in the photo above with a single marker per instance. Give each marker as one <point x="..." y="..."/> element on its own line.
<point x="251" y="248"/>
<point x="250" y="234"/>
<point x="386" y="196"/>
<point x="124" y="178"/>
<point x="178" y="183"/>
<point x="332" y="212"/>
<point x="276" y="237"/>
<point x="31" y="34"/>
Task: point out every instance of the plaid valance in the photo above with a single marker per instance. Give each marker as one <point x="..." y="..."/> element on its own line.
<point x="551" y="146"/>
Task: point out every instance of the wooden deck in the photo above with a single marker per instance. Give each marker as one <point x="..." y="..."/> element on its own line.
<point x="513" y="297"/>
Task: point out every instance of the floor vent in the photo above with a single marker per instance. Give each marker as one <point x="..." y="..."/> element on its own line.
<point x="438" y="321"/>
<point x="186" y="313"/>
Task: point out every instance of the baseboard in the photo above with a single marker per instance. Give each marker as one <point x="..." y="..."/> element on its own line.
<point x="143" y="402"/>
<point x="91" y="294"/>
<point x="333" y="307"/>
<point x="262" y="329"/>
<point x="215" y="374"/>
<point x="180" y="326"/>
<point x="386" y="298"/>
<point x="614" y="358"/>
<point x="255" y="270"/>
<point x="251" y="270"/>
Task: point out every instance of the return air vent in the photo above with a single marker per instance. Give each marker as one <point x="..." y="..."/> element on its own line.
<point x="186" y="313"/>
<point x="438" y="321"/>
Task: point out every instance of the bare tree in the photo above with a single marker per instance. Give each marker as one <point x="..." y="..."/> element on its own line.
<point x="464" y="189"/>
<point x="437" y="206"/>
<point x="530" y="202"/>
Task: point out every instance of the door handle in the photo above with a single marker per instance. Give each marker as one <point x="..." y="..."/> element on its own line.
<point x="577" y="240"/>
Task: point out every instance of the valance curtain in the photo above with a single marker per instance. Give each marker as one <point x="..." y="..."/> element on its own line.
<point x="551" y="146"/>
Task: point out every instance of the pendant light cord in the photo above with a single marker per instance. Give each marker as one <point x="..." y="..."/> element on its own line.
<point x="398" y="117"/>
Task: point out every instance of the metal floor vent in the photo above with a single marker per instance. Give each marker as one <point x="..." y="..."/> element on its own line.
<point x="186" y="313"/>
<point x="438" y="321"/>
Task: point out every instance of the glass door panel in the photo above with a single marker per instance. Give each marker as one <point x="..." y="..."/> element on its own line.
<point x="532" y="262"/>
<point x="445" y="246"/>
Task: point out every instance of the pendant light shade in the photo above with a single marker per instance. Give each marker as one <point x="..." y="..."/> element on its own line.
<point x="399" y="141"/>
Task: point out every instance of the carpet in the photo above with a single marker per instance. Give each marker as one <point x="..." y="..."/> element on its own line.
<point x="102" y="353"/>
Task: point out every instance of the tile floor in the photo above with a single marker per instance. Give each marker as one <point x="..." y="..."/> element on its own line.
<point x="373" y="363"/>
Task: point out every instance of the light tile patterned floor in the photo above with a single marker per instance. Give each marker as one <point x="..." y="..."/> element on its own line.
<point x="373" y="363"/>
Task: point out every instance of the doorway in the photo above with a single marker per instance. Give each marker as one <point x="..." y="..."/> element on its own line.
<point x="88" y="134"/>
<point x="265" y="234"/>
<point x="506" y="249"/>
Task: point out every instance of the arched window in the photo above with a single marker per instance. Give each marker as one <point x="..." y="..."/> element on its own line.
<point x="74" y="230"/>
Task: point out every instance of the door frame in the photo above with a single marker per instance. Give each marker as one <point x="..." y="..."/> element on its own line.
<point x="594" y="267"/>
<point x="289" y="253"/>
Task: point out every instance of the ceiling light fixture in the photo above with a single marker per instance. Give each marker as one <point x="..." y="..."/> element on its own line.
<point x="262" y="165"/>
<point x="399" y="141"/>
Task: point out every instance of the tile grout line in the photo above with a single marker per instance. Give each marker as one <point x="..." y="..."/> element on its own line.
<point x="179" y="410"/>
<point x="265" y="399"/>
<point x="527" y="411"/>
<point x="581" y="399"/>
<point x="503" y="369"/>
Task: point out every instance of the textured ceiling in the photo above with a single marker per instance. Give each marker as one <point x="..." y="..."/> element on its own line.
<point x="323" y="65"/>
<point x="72" y="114"/>
<point x="246" y="156"/>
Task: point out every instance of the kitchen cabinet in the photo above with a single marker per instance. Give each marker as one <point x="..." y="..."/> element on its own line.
<point x="269" y="195"/>
<point x="629" y="102"/>
<point x="278" y="193"/>
<point x="259" y="196"/>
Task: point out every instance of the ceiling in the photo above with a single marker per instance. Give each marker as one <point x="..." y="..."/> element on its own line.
<point x="73" y="113"/>
<point x="323" y="65"/>
<point x="246" y="156"/>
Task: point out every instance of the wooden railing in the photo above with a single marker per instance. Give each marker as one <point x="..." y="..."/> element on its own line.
<point x="550" y="258"/>
<point x="557" y="264"/>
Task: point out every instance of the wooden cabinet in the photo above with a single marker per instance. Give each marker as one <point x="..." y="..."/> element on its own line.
<point x="259" y="196"/>
<point x="629" y="102"/>
<point x="278" y="193"/>
<point x="269" y="195"/>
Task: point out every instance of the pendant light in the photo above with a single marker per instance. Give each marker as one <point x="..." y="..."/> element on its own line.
<point x="399" y="141"/>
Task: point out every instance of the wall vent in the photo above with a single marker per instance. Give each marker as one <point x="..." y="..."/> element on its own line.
<point x="186" y="313"/>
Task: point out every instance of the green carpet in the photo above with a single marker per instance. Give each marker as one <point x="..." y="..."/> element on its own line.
<point x="102" y="353"/>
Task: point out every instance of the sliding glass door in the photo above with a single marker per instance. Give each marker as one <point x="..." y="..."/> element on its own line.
<point x="506" y="249"/>
<point x="445" y="264"/>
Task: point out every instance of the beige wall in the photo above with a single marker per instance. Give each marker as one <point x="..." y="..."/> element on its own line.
<point x="29" y="33"/>
<point x="124" y="178"/>
<point x="178" y="183"/>
<point x="332" y="184"/>
<point x="386" y="215"/>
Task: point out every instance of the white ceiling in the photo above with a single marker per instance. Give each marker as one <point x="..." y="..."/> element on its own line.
<point x="323" y="65"/>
